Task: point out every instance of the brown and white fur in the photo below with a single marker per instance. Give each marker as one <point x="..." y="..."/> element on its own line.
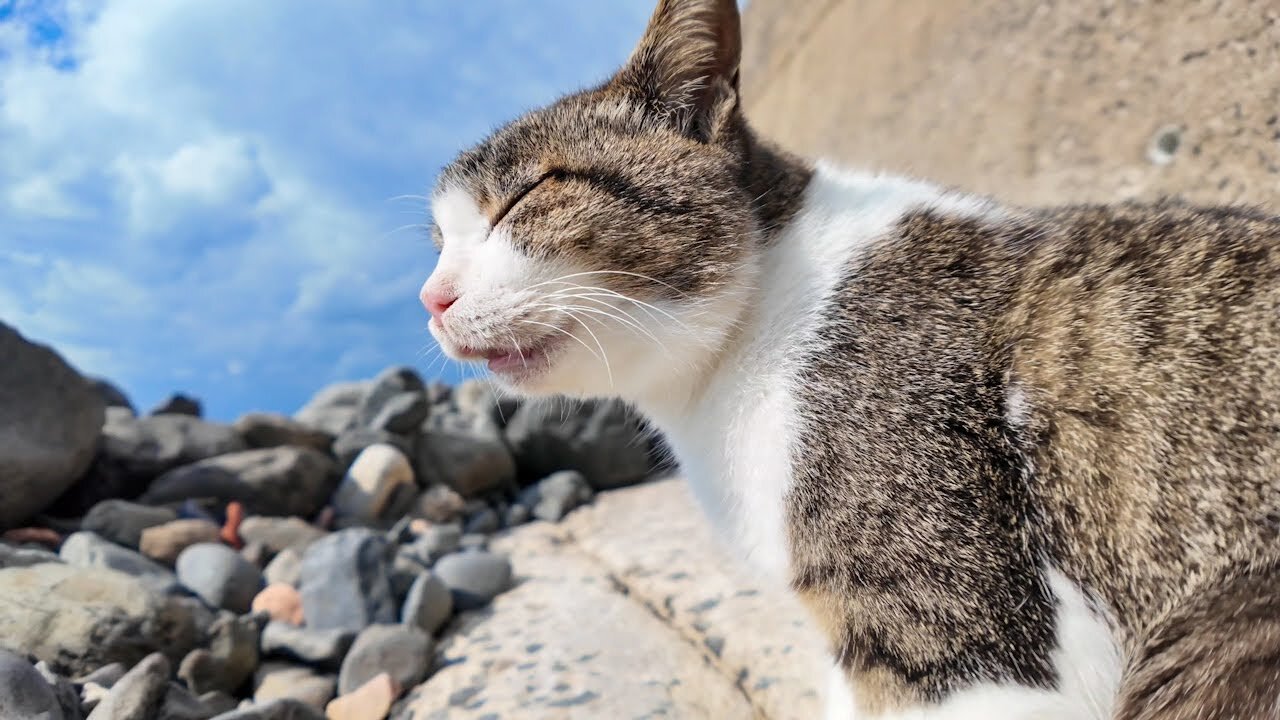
<point x="1018" y="463"/>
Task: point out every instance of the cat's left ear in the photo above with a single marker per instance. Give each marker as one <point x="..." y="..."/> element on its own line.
<point x="685" y="68"/>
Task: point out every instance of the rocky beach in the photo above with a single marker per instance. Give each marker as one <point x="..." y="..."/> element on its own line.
<point x="396" y="548"/>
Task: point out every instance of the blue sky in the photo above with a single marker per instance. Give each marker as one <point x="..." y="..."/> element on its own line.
<point x="208" y="196"/>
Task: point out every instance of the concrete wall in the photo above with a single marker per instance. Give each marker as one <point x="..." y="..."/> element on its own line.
<point x="1034" y="101"/>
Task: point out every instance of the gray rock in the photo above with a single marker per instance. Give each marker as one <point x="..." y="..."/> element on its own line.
<point x="476" y="398"/>
<point x="473" y="541"/>
<point x="402" y="651"/>
<point x="219" y="702"/>
<point x="51" y="417"/>
<point x="439" y="504"/>
<point x="515" y="514"/>
<point x="179" y="404"/>
<point x="555" y="495"/>
<point x="122" y="522"/>
<point x="475" y="578"/>
<point x="318" y="648"/>
<point x="64" y="691"/>
<point x="346" y="581"/>
<point x="402" y="413"/>
<point x="390" y="384"/>
<point x="471" y="464"/>
<point x="405" y="569"/>
<point x="280" y="533"/>
<point x="276" y="681"/>
<point x="602" y="440"/>
<point x="268" y="430"/>
<point x="134" y="451"/>
<point x="436" y="542"/>
<point x="112" y="396"/>
<point x="138" y="695"/>
<point x="230" y="659"/>
<point x="368" y="492"/>
<point x="484" y="521"/>
<point x="220" y="576"/>
<point x="180" y="704"/>
<point x="334" y="408"/>
<point x="106" y="676"/>
<point x="24" y="692"/>
<point x="351" y="443"/>
<point x="164" y="543"/>
<point x="276" y="481"/>
<point x="284" y="709"/>
<point x="87" y="550"/>
<point x="429" y="604"/>
<point x="11" y="556"/>
<point x="285" y="567"/>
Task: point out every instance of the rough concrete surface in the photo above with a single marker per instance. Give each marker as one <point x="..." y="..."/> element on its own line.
<point x="1033" y="102"/>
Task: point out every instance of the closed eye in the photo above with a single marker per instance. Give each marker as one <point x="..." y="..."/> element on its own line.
<point x="515" y="199"/>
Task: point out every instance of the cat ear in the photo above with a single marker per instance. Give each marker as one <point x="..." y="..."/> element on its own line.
<point x="685" y="68"/>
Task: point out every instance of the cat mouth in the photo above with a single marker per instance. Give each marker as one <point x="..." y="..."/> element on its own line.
<point x="516" y="360"/>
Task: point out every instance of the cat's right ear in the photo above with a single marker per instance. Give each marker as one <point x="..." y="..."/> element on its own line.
<point x="685" y="68"/>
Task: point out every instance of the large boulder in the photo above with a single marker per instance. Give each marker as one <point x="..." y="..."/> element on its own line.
<point x="134" y="451"/>
<point x="50" y="417"/>
<point x="79" y="619"/>
<point x="464" y="450"/>
<point x="274" y="481"/>
<point x="603" y="440"/>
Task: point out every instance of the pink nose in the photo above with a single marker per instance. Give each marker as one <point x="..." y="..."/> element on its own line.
<point x="437" y="301"/>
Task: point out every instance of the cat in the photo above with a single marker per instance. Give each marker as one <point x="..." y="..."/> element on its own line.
<point x="1018" y="463"/>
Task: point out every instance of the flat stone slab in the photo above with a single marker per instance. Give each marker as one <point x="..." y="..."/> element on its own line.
<point x="628" y="609"/>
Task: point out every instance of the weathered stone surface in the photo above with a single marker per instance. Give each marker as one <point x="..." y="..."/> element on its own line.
<point x="403" y="651"/>
<point x="230" y="659"/>
<point x="50" y="417"/>
<point x="275" y="481"/>
<point x="564" y="644"/>
<point x="79" y="619"/>
<point x="139" y="694"/>
<point x="1033" y="103"/>
<point x="367" y="493"/>
<point x="24" y="692"/>
<point x="268" y="430"/>
<point x="601" y="440"/>
<point x="474" y="577"/>
<point x="134" y="451"/>
<point x="220" y="576"/>
<point x="122" y="522"/>
<point x="86" y="550"/>
<point x="318" y="648"/>
<point x="164" y="543"/>
<point x="346" y="581"/>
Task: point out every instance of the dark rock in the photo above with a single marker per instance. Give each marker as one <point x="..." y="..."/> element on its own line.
<point x="220" y="576"/>
<point x="219" y="702"/>
<point x="180" y="704"/>
<point x="403" y="652"/>
<point x="52" y="417"/>
<point x="230" y="660"/>
<point x="428" y="605"/>
<point x="435" y="543"/>
<point x="368" y="493"/>
<point x="319" y="648"/>
<point x="285" y="709"/>
<point x="268" y="430"/>
<point x="139" y="694"/>
<point x="402" y="414"/>
<point x="472" y="464"/>
<point x="602" y="440"/>
<point x="484" y="521"/>
<point x="276" y="481"/>
<point x="179" y="404"/>
<point x="555" y="495"/>
<point x="515" y="514"/>
<point x="65" y="692"/>
<point x="334" y="409"/>
<point x="106" y="676"/>
<point x="86" y="550"/>
<point x="346" y="581"/>
<point x="475" y="578"/>
<point x="390" y="384"/>
<point x="134" y="451"/>
<point x="24" y="692"/>
<point x="112" y="396"/>
<point x="351" y="443"/>
<point x="122" y="522"/>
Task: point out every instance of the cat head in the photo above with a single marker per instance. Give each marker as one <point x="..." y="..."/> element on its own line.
<point x="603" y="243"/>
